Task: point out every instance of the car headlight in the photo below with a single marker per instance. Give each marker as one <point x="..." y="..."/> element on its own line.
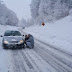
<point x="21" y="41"/>
<point x="5" y="41"/>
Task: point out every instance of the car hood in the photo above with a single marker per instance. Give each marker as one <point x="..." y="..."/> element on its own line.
<point x="13" y="38"/>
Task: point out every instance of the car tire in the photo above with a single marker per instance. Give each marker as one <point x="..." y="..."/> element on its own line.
<point x="4" y="47"/>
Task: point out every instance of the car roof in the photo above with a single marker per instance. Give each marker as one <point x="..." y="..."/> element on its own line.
<point x="11" y="30"/>
<point x="7" y="31"/>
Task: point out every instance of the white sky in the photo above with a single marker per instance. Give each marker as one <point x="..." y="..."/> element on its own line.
<point x="20" y="7"/>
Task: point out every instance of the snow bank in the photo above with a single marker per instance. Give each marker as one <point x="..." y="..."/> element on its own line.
<point x="57" y="34"/>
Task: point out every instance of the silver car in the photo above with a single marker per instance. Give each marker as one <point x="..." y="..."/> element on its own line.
<point x="12" y="39"/>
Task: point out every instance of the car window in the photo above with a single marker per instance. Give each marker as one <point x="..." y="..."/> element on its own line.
<point x="12" y="33"/>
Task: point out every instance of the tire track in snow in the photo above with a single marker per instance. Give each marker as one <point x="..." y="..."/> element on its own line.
<point x="18" y="63"/>
<point x="27" y="61"/>
<point x="31" y="61"/>
<point x="44" y="66"/>
<point x="67" y="60"/>
<point x="53" y="47"/>
<point x="55" y="63"/>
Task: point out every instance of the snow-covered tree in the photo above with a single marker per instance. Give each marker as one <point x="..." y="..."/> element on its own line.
<point x="45" y="10"/>
<point x="49" y="10"/>
<point x="60" y="10"/>
<point x="70" y="12"/>
<point x="7" y="16"/>
<point x="11" y="18"/>
<point x="30" y="22"/>
<point x="35" y="8"/>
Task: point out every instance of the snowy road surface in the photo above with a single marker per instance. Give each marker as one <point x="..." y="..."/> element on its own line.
<point x="40" y="59"/>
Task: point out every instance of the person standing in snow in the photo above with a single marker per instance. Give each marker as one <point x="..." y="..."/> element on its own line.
<point x="30" y="41"/>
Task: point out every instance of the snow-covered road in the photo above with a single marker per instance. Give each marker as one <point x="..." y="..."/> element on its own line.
<point x="40" y="59"/>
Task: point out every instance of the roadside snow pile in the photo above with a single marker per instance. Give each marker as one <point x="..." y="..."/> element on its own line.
<point x="57" y="34"/>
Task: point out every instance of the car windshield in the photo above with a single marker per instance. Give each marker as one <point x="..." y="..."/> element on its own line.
<point x="12" y="33"/>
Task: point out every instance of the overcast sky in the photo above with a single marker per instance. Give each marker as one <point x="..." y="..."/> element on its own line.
<point x="20" y="7"/>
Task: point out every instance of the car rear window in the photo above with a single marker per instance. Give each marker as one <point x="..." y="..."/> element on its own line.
<point x="12" y="33"/>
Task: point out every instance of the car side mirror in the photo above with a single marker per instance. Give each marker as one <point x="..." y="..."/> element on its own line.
<point x="1" y="36"/>
<point x="22" y="35"/>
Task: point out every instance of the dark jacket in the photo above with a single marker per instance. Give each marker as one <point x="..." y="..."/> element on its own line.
<point x="31" y="40"/>
<point x="25" y="40"/>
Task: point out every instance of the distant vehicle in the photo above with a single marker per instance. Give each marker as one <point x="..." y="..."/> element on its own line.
<point x="23" y="27"/>
<point x="12" y="39"/>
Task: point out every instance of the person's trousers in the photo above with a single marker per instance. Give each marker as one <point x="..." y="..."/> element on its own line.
<point x="29" y="44"/>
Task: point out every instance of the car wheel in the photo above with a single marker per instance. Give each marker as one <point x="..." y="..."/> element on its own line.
<point x="4" y="47"/>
